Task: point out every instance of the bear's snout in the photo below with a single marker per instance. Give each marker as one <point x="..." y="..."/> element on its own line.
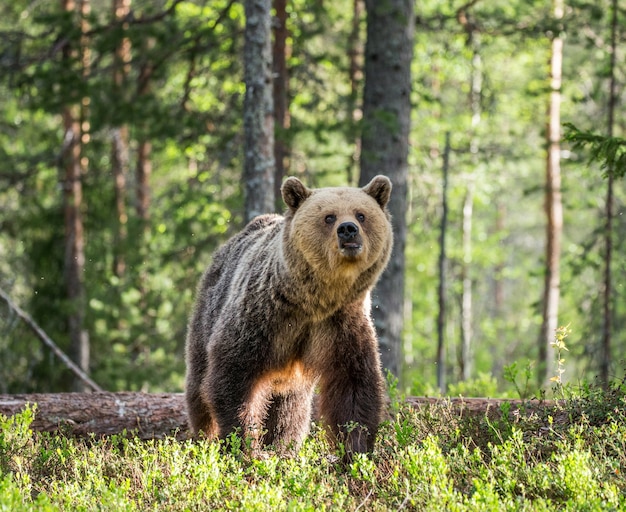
<point x="350" y="242"/>
<point x="347" y="231"/>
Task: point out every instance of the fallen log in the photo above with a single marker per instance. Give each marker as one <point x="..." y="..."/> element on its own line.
<point x="149" y="415"/>
<point x="157" y="415"/>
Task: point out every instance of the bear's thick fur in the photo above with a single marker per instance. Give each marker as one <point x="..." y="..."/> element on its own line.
<point x="284" y="308"/>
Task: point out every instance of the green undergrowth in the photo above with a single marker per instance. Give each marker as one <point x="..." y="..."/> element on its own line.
<point x="569" y="456"/>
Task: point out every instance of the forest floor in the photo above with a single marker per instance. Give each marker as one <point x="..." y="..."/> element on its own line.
<point x="569" y="454"/>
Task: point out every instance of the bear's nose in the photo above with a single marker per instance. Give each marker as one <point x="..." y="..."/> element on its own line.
<point x="347" y="230"/>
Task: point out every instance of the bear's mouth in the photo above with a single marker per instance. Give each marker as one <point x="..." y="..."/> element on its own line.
<point x="350" y="249"/>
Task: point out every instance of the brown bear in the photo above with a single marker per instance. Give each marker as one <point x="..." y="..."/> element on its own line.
<point x="284" y="308"/>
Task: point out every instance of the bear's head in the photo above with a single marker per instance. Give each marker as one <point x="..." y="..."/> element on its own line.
<point x="340" y="232"/>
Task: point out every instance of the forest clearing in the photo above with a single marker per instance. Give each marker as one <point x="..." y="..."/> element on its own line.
<point x="569" y="455"/>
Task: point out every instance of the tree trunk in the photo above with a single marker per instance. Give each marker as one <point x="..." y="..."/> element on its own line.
<point x="144" y="148"/>
<point x="144" y="171"/>
<point x="498" y="285"/>
<point x="355" y="54"/>
<point x="119" y="165"/>
<point x="554" y="212"/>
<point x="465" y="357"/>
<point x="281" y="90"/>
<point x="258" y="115"/>
<point x="498" y="313"/>
<point x="385" y="145"/>
<point x="74" y="260"/>
<point x="119" y="142"/>
<point x="607" y="310"/>
<point x="441" y="317"/>
<point x="476" y="79"/>
<point x="155" y="416"/>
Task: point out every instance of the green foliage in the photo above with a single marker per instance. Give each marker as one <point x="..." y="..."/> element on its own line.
<point x="609" y="151"/>
<point x="136" y="321"/>
<point x="559" y="346"/>
<point x="15" y="439"/>
<point x="511" y="374"/>
<point x="566" y="457"/>
<point x="484" y="384"/>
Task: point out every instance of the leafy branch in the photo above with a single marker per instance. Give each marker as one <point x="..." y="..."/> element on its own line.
<point x="609" y="151"/>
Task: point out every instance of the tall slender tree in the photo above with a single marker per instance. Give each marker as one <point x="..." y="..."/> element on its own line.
<point x="143" y="173"/>
<point x="75" y="127"/>
<point x="554" y="209"/>
<point x="143" y="176"/>
<point x="281" y="92"/>
<point x="144" y="146"/>
<point x="476" y="79"/>
<point x="607" y="309"/>
<point x="355" y="53"/>
<point x="119" y="139"/>
<point x="385" y="147"/>
<point x="441" y="291"/>
<point x="258" y="114"/>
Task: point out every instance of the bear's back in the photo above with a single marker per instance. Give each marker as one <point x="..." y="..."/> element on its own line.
<point x="228" y="257"/>
<point x="216" y="282"/>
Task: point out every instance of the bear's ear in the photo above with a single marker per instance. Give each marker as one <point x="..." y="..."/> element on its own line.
<point x="380" y="189"/>
<point x="294" y="192"/>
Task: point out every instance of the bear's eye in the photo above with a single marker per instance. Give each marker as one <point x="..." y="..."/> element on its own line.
<point x="330" y="219"/>
<point x="360" y="217"/>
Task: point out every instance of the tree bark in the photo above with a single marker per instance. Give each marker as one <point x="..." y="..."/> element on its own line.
<point x="74" y="165"/>
<point x="155" y="416"/>
<point x="258" y="115"/>
<point x="385" y="145"/>
<point x="280" y="92"/>
<point x="554" y="212"/>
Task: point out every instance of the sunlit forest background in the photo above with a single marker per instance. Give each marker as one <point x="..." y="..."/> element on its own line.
<point x="158" y="89"/>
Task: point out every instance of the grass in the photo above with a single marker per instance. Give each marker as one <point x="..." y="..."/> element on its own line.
<point x="569" y="457"/>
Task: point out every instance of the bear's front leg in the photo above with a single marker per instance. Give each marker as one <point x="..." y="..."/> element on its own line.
<point x="289" y="417"/>
<point x="352" y="386"/>
<point x="237" y="396"/>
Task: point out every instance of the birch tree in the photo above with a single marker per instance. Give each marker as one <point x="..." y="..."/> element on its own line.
<point x="554" y="210"/>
